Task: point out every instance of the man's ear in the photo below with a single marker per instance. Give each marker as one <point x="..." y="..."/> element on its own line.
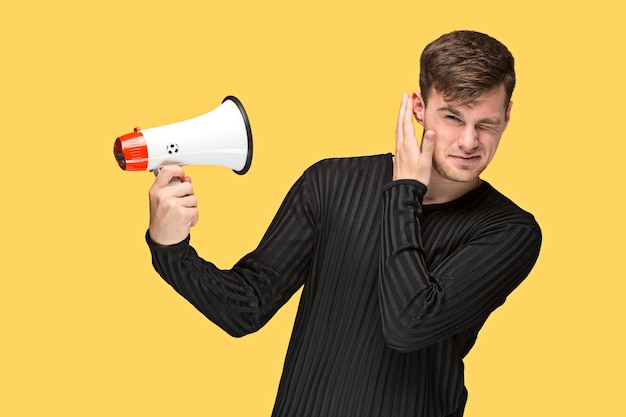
<point x="507" y="114"/>
<point x="418" y="107"/>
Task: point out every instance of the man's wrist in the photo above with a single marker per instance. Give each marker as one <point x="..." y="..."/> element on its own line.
<point x="153" y="243"/>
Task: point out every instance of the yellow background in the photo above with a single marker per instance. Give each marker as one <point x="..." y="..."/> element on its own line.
<point x="89" y="329"/>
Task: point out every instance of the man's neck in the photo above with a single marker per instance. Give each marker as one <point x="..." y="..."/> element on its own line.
<point x="443" y="191"/>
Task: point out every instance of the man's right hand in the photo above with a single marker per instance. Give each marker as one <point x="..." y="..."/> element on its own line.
<point x="412" y="160"/>
<point x="173" y="208"/>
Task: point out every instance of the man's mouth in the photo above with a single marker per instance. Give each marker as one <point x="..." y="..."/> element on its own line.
<point x="466" y="159"/>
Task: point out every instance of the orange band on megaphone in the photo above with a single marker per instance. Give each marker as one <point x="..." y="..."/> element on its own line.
<point x="131" y="151"/>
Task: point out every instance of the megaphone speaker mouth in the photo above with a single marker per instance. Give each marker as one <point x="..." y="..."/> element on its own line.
<point x="131" y="152"/>
<point x="246" y="122"/>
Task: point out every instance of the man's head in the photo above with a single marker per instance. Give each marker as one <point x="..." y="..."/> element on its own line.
<point x="467" y="79"/>
<point x="463" y="65"/>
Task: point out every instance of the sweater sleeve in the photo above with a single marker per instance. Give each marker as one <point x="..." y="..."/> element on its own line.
<point x="419" y="306"/>
<point x="241" y="300"/>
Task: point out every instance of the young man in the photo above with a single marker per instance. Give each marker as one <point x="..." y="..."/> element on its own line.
<point x="402" y="257"/>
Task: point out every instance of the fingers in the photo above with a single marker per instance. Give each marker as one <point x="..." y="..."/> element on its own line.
<point x="408" y="127"/>
<point x="173" y="207"/>
<point x="168" y="173"/>
<point x="401" y="114"/>
<point x="406" y="142"/>
<point x="405" y="129"/>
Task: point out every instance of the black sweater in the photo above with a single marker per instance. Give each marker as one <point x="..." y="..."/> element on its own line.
<point x="394" y="294"/>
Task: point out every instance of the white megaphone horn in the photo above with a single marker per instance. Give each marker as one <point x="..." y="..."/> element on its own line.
<point x="221" y="137"/>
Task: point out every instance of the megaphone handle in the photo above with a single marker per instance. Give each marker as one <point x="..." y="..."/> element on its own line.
<point x="173" y="181"/>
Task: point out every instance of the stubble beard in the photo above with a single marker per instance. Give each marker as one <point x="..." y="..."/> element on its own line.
<point x="457" y="174"/>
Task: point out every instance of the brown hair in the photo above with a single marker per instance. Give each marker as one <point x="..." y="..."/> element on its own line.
<point x="465" y="64"/>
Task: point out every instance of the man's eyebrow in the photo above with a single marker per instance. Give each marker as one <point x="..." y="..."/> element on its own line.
<point x="487" y="120"/>
<point x="449" y="109"/>
<point x="490" y="121"/>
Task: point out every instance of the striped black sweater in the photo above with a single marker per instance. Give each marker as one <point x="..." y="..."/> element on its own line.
<point x="394" y="293"/>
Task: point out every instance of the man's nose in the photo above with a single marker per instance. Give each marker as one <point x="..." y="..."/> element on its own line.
<point x="468" y="140"/>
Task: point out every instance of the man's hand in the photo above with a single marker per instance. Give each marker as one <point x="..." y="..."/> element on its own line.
<point x="411" y="160"/>
<point x="173" y="208"/>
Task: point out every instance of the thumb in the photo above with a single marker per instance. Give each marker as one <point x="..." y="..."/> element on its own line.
<point x="428" y="144"/>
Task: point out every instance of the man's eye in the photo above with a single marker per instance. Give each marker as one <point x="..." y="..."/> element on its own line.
<point x="488" y="128"/>
<point x="452" y="118"/>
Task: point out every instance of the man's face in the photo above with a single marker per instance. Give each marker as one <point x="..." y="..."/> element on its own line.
<point x="466" y="135"/>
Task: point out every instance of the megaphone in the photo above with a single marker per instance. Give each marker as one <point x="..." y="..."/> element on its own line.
<point x="221" y="137"/>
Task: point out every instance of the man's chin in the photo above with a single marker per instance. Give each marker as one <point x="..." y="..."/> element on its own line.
<point x="459" y="175"/>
